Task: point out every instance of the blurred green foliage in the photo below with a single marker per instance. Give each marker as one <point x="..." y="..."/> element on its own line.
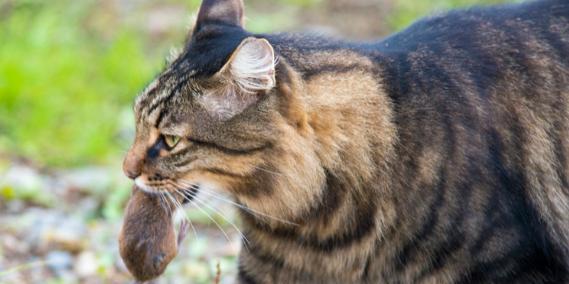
<point x="61" y="85"/>
<point x="407" y="11"/>
<point x="68" y="72"/>
<point x="28" y="194"/>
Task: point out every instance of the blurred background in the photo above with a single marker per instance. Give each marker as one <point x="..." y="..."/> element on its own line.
<point x="69" y="71"/>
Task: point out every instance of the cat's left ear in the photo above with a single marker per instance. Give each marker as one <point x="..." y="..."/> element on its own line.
<point x="248" y="75"/>
<point x="229" y="12"/>
<point x="252" y="66"/>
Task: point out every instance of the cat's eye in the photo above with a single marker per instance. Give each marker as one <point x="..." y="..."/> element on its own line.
<point x="171" y="140"/>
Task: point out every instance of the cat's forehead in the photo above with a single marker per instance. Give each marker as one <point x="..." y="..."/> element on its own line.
<point x="161" y="94"/>
<point x="161" y="86"/>
<point x="205" y="54"/>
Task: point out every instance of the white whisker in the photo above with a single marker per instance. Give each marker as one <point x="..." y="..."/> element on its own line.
<point x="185" y="214"/>
<point x="250" y="210"/>
<point x="209" y="216"/>
<point x="218" y="211"/>
<point x="269" y="171"/>
<point x="172" y="207"/>
<point x="164" y="203"/>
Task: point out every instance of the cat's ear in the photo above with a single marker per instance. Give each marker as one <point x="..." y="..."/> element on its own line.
<point x="248" y="75"/>
<point x="228" y="12"/>
<point x="252" y="66"/>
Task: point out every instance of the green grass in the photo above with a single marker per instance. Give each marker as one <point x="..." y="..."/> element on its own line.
<point x="63" y="88"/>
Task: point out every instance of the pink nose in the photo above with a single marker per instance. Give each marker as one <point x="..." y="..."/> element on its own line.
<point x="132" y="165"/>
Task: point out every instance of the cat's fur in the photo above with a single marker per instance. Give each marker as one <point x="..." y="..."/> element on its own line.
<point x="437" y="155"/>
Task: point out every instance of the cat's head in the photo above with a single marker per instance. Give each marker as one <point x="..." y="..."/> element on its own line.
<point x="226" y="115"/>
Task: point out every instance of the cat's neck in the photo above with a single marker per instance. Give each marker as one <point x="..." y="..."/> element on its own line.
<point x="346" y="126"/>
<point x="345" y="130"/>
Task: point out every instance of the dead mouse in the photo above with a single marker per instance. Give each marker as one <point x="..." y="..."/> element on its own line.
<point x="147" y="240"/>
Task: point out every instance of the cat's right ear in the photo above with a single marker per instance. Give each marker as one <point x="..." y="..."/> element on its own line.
<point x="228" y="12"/>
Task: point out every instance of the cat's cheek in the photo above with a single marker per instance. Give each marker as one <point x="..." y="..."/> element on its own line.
<point x="215" y="187"/>
<point x="210" y="182"/>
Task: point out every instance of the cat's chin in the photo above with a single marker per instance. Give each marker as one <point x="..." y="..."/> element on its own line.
<point x="139" y="182"/>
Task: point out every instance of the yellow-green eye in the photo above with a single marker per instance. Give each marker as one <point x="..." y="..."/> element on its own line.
<point x="171" y="140"/>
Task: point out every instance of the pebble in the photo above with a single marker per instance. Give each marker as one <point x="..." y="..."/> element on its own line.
<point x="27" y="183"/>
<point x="19" y="176"/>
<point x="54" y="230"/>
<point x="59" y="261"/>
<point x="13" y="245"/>
<point x="86" y="264"/>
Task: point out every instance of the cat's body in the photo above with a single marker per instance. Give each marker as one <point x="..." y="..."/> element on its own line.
<point x="438" y="155"/>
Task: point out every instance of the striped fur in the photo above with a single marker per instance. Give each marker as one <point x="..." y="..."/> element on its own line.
<point x="437" y="155"/>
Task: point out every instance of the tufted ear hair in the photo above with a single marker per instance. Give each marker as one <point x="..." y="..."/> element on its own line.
<point x="229" y="12"/>
<point x="247" y="76"/>
<point x="252" y="66"/>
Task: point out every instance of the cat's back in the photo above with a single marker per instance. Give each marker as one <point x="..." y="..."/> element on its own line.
<point x="481" y="45"/>
<point x="485" y="46"/>
<point x="495" y="27"/>
<point x="481" y="58"/>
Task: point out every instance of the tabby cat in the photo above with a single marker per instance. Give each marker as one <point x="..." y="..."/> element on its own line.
<point x="437" y="155"/>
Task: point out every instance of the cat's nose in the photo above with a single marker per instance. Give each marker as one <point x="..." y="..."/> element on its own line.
<point x="132" y="166"/>
<point x="131" y="174"/>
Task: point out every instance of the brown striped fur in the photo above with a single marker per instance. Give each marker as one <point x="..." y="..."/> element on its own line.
<point x="437" y="155"/>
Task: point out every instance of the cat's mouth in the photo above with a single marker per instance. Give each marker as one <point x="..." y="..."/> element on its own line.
<point x="185" y="193"/>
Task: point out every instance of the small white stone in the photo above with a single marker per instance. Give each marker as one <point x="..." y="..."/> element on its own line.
<point x="86" y="264"/>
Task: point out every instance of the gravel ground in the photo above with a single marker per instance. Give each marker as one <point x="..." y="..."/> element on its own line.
<point x="58" y="228"/>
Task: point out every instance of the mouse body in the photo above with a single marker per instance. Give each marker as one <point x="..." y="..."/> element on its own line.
<point x="148" y="241"/>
